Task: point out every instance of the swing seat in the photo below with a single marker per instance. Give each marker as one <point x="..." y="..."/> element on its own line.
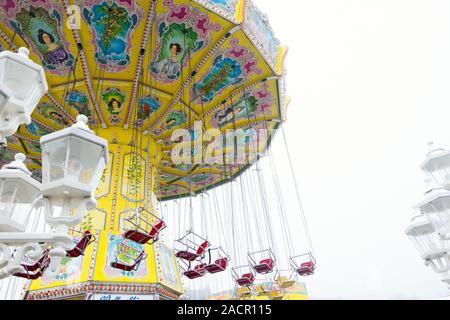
<point x="137" y="236"/>
<point x="261" y="290"/>
<point x="246" y="280"/>
<point x="306" y="269"/>
<point x="191" y="256"/>
<point x="143" y="238"/>
<point x="265" y="266"/>
<point x="219" y="265"/>
<point x="198" y="272"/>
<point x="244" y="292"/>
<point x="38" y="264"/>
<point x="275" y="295"/>
<point x="156" y="229"/>
<point x="29" y="276"/>
<point x="285" y="282"/>
<point x="128" y="268"/>
<point x="34" y="275"/>
<point x="80" y="248"/>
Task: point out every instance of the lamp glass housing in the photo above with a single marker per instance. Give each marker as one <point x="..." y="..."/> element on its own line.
<point x="22" y="82"/>
<point x="73" y="161"/>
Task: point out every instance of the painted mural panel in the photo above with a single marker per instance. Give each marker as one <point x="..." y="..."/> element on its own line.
<point x="175" y="119"/>
<point x="256" y="103"/>
<point x="182" y="31"/>
<point x="258" y="23"/>
<point x="226" y="8"/>
<point x="51" y="113"/>
<point x="114" y="100"/>
<point x="230" y="67"/>
<point x="148" y="104"/>
<point x="41" y="24"/>
<point x="124" y="251"/>
<point x="79" y="101"/>
<point x="168" y="269"/>
<point x="69" y="271"/>
<point x="111" y="24"/>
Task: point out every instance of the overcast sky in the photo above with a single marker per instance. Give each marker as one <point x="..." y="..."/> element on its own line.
<point x="369" y="81"/>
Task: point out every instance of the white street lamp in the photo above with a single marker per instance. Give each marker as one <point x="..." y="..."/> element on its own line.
<point x="430" y="245"/>
<point x="17" y="193"/>
<point x="22" y="85"/>
<point x="437" y="165"/>
<point x="73" y="161"/>
<point x="436" y="207"/>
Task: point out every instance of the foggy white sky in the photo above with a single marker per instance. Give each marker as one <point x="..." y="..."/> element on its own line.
<point x="369" y="81"/>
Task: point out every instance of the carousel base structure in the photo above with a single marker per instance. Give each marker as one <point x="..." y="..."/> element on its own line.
<point x="113" y="266"/>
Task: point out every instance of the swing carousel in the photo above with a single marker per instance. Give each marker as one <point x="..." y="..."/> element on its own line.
<point x="94" y="144"/>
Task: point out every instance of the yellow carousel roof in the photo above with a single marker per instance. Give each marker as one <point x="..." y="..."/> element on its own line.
<point x="153" y="66"/>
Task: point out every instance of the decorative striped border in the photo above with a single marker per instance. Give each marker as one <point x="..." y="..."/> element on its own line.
<point x="101" y="287"/>
<point x="86" y="73"/>
<point x="43" y="125"/>
<point x="116" y="181"/>
<point x="138" y="72"/>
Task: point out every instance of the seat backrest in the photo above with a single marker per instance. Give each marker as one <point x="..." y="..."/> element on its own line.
<point x="248" y="276"/>
<point x="200" y="267"/>
<point x="223" y="262"/>
<point x="84" y="241"/>
<point x="43" y="258"/>
<point x="157" y="228"/>
<point x="202" y="247"/>
<point x="160" y="225"/>
<point x="267" y="261"/>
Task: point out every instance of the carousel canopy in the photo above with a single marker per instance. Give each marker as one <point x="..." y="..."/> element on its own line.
<point x="150" y="66"/>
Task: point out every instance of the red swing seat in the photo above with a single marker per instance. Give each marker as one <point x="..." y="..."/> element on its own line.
<point x="265" y="266"/>
<point x="137" y="236"/>
<point x="80" y="248"/>
<point x="246" y="280"/>
<point x="36" y="275"/>
<point x="144" y="238"/>
<point x="219" y="265"/>
<point x="38" y="264"/>
<point x="198" y="272"/>
<point x="306" y="269"/>
<point x="191" y="256"/>
<point x="128" y="268"/>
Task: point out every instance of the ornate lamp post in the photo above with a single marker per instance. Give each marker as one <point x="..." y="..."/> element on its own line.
<point x="436" y="207"/>
<point x="22" y="85"/>
<point x="431" y="246"/>
<point x="73" y="161"/>
<point x="437" y="165"/>
<point x="17" y="193"/>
